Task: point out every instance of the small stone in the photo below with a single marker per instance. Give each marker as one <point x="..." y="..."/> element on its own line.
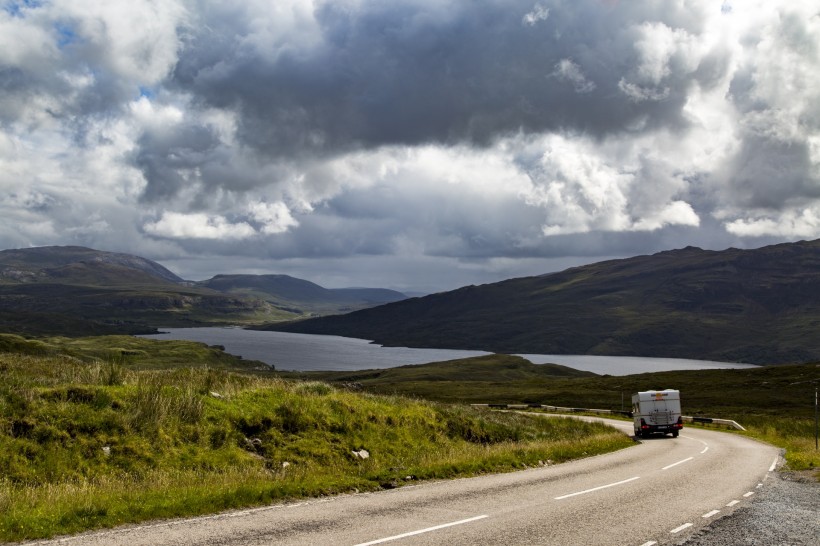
<point x="285" y="464"/>
<point x="361" y="454"/>
<point x="106" y="451"/>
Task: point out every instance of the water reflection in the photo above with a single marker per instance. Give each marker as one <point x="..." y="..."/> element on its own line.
<point x="307" y="352"/>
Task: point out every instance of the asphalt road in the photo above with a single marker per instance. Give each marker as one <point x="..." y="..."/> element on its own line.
<point x="658" y="492"/>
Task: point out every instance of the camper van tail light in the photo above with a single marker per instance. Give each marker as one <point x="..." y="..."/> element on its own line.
<point x="679" y="424"/>
<point x="643" y="424"/>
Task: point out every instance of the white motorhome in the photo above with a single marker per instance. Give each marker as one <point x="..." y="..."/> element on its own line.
<point x="657" y="412"/>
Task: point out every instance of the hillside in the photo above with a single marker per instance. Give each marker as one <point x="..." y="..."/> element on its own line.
<point x="89" y="443"/>
<point x="755" y="306"/>
<point x="79" y="291"/>
<point x="301" y="296"/>
<point x="78" y="264"/>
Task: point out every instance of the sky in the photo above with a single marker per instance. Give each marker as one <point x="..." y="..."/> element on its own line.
<point x="419" y="145"/>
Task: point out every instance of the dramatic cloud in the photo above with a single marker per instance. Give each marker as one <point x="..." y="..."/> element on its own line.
<point x="422" y="140"/>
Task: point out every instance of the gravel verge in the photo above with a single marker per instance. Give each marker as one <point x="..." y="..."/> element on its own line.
<point x="786" y="511"/>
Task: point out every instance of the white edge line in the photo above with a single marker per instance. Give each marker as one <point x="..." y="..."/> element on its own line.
<point x="710" y="514"/>
<point x="420" y="531"/>
<point x="749" y="494"/>
<point x="681" y="528"/>
<point x="705" y="449"/>
<point x="650" y="543"/>
<point x="774" y="465"/>
<point x="677" y="463"/>
<point x="733" y="503"/>
<point x="596" y="488"/>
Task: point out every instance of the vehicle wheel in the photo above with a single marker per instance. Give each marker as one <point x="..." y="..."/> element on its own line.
<point x="674" y="434"/>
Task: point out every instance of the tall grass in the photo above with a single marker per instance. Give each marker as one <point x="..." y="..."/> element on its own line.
<point x="93" y="444"/>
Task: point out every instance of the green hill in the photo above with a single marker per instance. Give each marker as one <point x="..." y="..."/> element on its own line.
<point x="79" y="291"/>
<point x="301" y="296"/>
<point x="87" y="443"/>
<point x="755" y="306"/>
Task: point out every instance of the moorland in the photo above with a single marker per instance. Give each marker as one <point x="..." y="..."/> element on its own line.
<point x="99" y="429"/>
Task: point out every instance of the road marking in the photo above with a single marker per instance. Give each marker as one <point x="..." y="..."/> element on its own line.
<point x="733" y="503"/>
<point x="596" y="488"/>
<point x="749" y="494"/>
<point x="710" y="514"/>
<point x="677" y="530"/>
<point x="677" y="463"/>
<point x="650" y="543"/>
<point x="774" y="465"/>
<point x="705" y="449"/>
<point x="420" y="531"/>
<point x="759" y="485"/>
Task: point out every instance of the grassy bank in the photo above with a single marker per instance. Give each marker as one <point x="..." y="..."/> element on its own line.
<point x="132" y="353"/>
<point x="774" y="403"/>
<point x="87" y="443"/>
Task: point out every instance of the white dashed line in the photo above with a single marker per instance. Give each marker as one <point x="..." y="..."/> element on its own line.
<point x="650" y="543"/>
<point x="420" y="531"/>
<point x="596" y="488"/>
<point x="733" y="503"/>
<point x="710" y="514"/>
<point x="677" y="530"/>
<point x="774" y="465"/>
<point x="677" y="463"/>
<point x="705" y="449"/>
<point x="749" y="494"/>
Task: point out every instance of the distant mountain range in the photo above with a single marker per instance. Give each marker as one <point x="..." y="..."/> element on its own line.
<point x="754" y="306"/>
<point x="80" y="291"/>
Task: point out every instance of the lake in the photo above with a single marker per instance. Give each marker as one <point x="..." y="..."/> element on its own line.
<point x="308" y="352"/>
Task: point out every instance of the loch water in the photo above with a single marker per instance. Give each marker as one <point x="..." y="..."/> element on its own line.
<point x="309" y="352"/>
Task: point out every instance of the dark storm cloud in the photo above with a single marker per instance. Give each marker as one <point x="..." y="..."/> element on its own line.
<point x="409" y="73"/>
<point x="165" y="157"/>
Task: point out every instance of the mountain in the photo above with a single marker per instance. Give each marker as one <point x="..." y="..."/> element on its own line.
<point x="301" y="296"/>
<point x="78" y="265"/>
<point x="80" y="291"/>
<point x="755" y="306"/>
<point x="75" y="290"/>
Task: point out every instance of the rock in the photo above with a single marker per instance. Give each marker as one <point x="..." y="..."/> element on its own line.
<point x="285" y="464"/>
<point x="216" y="395"/>
<point x="361" y="454"/>
<point x="106" y="451"/>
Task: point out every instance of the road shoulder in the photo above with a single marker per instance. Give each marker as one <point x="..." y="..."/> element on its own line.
<point x="785" y="511"/>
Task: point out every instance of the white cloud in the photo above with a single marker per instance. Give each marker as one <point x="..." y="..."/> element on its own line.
<point x="793" y="224"/>
<point x="176" y="225"/>
<point x="566" y="70"/>
<point x="275" y="217"/>
<point x="538" y="13"/>
<point x="137" y="40"/>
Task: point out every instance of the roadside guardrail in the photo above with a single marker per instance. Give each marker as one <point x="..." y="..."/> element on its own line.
<point x="686" y="419"/>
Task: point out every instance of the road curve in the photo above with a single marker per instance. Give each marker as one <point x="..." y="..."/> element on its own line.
<point x="659" y="491"/>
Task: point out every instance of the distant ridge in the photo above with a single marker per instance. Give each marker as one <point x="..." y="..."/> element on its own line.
<point x="755" y="306"/>
<point x="300" y="291"/>
<point x="74" y="291"/>
<point x="41" y="263"/>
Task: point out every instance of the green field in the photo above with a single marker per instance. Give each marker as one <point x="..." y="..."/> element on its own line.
<point x="97" y="432"/>
<point x="774" y="403"/>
